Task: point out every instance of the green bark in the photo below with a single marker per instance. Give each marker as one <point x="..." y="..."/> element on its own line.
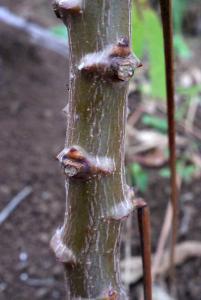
<point x="96" y="116"/>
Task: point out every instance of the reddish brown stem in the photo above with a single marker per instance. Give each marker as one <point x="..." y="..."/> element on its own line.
<point x="166" y="13"/>
<point x="145" y="239"/>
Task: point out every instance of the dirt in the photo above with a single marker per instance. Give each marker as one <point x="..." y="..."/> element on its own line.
<point x="39" y="11"/>
<point x="32" y="96"/>
<point x="33" y="93"/>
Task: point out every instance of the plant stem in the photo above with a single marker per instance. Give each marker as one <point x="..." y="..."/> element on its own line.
<point x="97" y="196"/>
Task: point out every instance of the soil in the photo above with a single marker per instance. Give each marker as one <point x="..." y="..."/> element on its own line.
<point x="39" y="11"/>
<point x="33" y="93"/>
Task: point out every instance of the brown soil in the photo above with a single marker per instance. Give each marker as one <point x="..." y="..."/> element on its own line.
<point x="39" y="11"/>
<point x="33" y="93"/>
<point x="32" y="133"/>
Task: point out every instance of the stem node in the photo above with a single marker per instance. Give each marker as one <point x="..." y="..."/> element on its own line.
<point x="62" y="252"/>
<point x="62" y="7"/>
<point x="77" y="163"/>
<point x="115" y="62"/>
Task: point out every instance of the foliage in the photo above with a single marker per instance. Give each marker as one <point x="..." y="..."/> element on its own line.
<point x="180" y="47"/>
<point x="185" y="170"/>
<point x="190" y="91"/>
<point x="59" y="30"/>
<point x="147" y="39"/>
<point x="178" y="12"/>
<point x="190" y="94"/>
<point x="157" y="123"/>
<point x="139" y="177"/>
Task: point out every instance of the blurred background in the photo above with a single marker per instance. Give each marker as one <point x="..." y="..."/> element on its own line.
<point x="33" y="92"/>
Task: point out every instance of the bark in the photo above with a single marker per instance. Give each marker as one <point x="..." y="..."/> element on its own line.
<point x="97" y="197"/>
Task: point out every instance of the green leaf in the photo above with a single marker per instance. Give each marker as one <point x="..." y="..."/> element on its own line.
<point x="178" y="12"/>
<point x="139" y="177"/>
<point x="180" y="47"/>
<point x="185" y="171"/>
<point x="60" y="31"/>
<point x="137" y="33"/>
<point x="155" y="122"/>
<point x="154" y="39"/>
<point x="165" y="172"/>
<point x="191" y="91"/>
<point x="147" y="36"/>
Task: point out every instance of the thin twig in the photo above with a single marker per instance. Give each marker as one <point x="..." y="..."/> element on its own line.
<point x="39" y="35"/>
<point x="145" y="239"/>
<point x="167" y="20"/>
<point x="14" y="203"/>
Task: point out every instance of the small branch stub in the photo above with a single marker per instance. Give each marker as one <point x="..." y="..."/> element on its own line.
<point x="122" y="210"/>
<point x="116" y="62"/>
<point x="145" y="239"/>
<point x="62" y="7"/>
<point x="62" y="253"/>
<point x="79" y="164"/>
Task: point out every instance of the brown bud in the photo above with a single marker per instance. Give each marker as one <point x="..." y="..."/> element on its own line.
<point x="123" y="69"/>
<point x="79" y="164"/>
<point x="122" y="49"/>
<point x="115" y="62"/>
<point x="112" y="295"/>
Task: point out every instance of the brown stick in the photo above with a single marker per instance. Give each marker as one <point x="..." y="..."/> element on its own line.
<point x="145" y="239"/>
<point x="166" y="13"/>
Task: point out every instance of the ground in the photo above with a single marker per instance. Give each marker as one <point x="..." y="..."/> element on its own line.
<point x="33" y="93"/>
